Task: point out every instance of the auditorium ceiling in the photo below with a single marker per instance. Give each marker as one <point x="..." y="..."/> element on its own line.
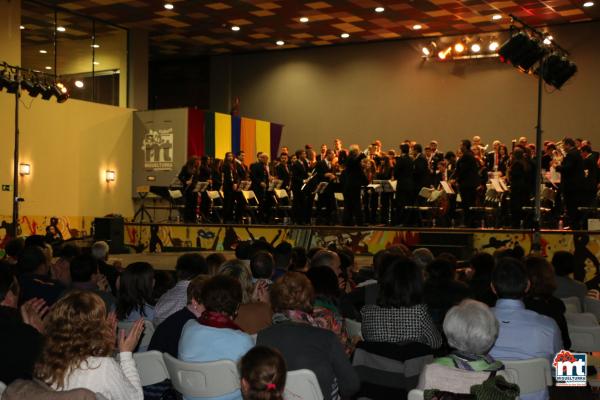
<point x="194" y="27"/>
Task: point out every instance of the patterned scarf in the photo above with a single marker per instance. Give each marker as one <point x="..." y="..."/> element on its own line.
<point x="217" y="320"/>
<point x="293" y="316"/>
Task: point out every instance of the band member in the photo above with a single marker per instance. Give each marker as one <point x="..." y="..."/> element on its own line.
<point x="353" y="180"/>
<point x="492" y="158"/>
<point x="572" y="180"/>
<point x="282" y="171"/>
<point x="519" y="176"/>
<point x="436" y="155"/>
<point x="188" y="176"/>
<point x="590" y="169"/>
<point x="467" y="177"/>
<point x="385" y="173"/>
<point x="403" y="172"/>
<point x="504" y="159"/>
<point x="325" y="173"/>
<point x="216" y="177"/>
<point x="299" y="175"/>
<point x="259" y="174"/>
<point x="230" y="180"/>
<point x="370" y="196"/>
<point x="323" y="153"/>
<point x="242" y="168"/>
<point x="421" y="175"/>
<point x="340" y="152"/>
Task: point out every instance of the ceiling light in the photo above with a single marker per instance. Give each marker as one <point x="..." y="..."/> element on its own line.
<point x="61" y="28"/>
<point x="476" y="48"/>
<point x="79" y="84"/>
<point x="21" y="27"/>
<point x="496" y="17"/>
<point x="426" y="51"/>
<point x="588" y="4"/>
<point x="304" y="20"/>
<point x="417" y="27"/>
<point x="48" y="67"/>
<point x="96" y="46"/>
<point x="235" y="28"/>
<point x="459" y="47"/>
<point x="169" y="6"/>
<point x="444" y="53"/>
<point x="379" y="9"/>
<point x="493" y="46"/>
<point x="96" y="63"/>
<point x="345" y="35"/>
<point x="548" y="40"/>
<point x="43" y="52"/>
<point x="280" y="43"/>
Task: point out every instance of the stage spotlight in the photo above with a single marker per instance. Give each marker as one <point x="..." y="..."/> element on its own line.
<point x="548" y="40"/>
<point x="475" y="47"/>
<point x="426" y="51"/>
<point x="79" y="84"/>
<point x="459" y="47"/>
<point x="60" y="92"/>
<point x="11" y="84"/>
<point x="34" y="89"/>
<point x="444" y="53"/>
<point x="558" y="70"/>
<point x="522" y="51"/>
<point x="493" y="46"/>
<point x="588" y="4"/>
<point x="47" y="91"/>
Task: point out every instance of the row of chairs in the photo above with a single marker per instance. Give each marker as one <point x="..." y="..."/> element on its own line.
<point x="215" y="378"/>
<point x="582" y="322"/>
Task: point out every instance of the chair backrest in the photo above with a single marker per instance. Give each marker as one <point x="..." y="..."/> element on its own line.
<point x="353" y="327"/>
<point x="146" y="335"/>
<point x="302" y="384"/>
<point x="584" y="338"/>
<point x="581" y="319"/>
<point x="208" y="379"/>
<point x="531" y="375"/>
<point x="592" y="306"/>
<point x="416" y="394"/>
<point x="151" y="367"/>
<point x="572" y="304"/>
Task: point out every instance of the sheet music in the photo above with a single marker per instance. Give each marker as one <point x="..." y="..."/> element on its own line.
<point x="446" y="187"/>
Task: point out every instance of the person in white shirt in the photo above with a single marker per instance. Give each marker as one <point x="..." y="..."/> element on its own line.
<point x="79" y="348"/>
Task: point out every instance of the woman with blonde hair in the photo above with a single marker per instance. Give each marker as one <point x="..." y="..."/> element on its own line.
<point x="79" y="347"/>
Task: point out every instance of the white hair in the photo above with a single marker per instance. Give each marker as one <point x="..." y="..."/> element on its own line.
<point x="423" y="257"/>
<point x="471" y="327"/>
<point x="100" y="250"/>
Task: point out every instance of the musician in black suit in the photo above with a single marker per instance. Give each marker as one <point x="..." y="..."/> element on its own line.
<point x="571" y="181"/>
<point x="282" y="171"/>
<point x="403" y="172"/>
<point x="326" y="204"/>
<point x="188" y="176"/>
<point x="467" y="177"/>
<point x="299" y="175"/>
<point x="242" y="169"/>
<point x="519" y="176"/>
<point x="421" y="175"/>
<point x="492" y="158"/>
<point x="353" y="179"/>
<point x="259" y="174"/>
<point x="436" y="155"/>
<point x="231" y="181"/>
<point x="591" y="170"/>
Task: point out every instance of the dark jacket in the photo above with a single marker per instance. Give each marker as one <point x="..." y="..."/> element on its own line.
<point x="299" y="174"/>
<point x="354" y="176"/>
<point x="40" y="286"/>
<point x="316" y="349"/>
<point x="259" y="174"/>
<point x="403" y="172"/>
<point x="421" y="174"/>
<point x="283" y="173"/>
<point x="166" y="336"/>
<point x="571" y="170"/>
<point x="467" y="171"/>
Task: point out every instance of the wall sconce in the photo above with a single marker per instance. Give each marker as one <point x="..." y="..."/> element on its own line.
<point x="24" y="169"/>
<point x="111" y="176"/>
<point x="151" y="178"/>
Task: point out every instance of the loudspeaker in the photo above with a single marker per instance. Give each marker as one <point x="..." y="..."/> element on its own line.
<point x="112" y="231"/>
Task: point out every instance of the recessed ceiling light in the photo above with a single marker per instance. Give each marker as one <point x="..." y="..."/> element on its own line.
<point x="588" y="4"/>
<point x="417" y="27"/>
<point x="48" y="67"/>
<point x="169" y="6"/>
<point x="96" y="46"/>
<point x="21" y="27"/>
<point x="235" y="28"/>
<point x="304" y="20"/>
<point x="345" y="35"/>
<point x="379" y="9"/>
<point x="79" y="84"/>
<point x="61" y="28"/>
<point x="280" y="43"/>
<point x="96" y="63"/>
<point x="43" y="52"/>
<point x="496" y="17"/>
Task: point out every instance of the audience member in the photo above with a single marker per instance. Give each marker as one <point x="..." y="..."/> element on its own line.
<point x="61" y="269"/>
<point x="214" y="336"/>
<point x="135" y="292"/>
<point x="480" y="283"/>
<point x="327" y="258"/>
<point x="262" y="266"/>
<point x="304" y="345"/>
<point x="214" y="261"/>
<point x="100" y="251"/>
<point x="422" y="257"/>
<point x="523" y="334"/>
<point x="298" y="260"/>
<point x="263" y="374"/>
<point x="400" y="314"/>
<point x="282" y="255"/>
<point x="163" y="282"/>
<point x="79" y="347"/>
<point x="34" y="279"/>
<point x="20" y="332"/>
<point x="167" y="334"/>
<point x="188" y="266"/>
<point x="540" y="296"/>
<point x="13" y="249"/>
<point x="255" y="312"/>
<point x="85" y="276"/>
<point x="471" y="329"/>
<point x="564" y="262"/>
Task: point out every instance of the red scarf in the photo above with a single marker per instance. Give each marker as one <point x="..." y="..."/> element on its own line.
<point x="217" y="320"/>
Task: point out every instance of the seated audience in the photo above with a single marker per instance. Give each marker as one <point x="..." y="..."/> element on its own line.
<point x="100" y="251"/>
<point x="304" y="345"/>
<point x="214" y="261"/>
<point x="480" y="282"/>
<point x="20" y="332"/>
<point x="36" y="390"/>
<point x="135" y="293"/>
<point x="262" y="266"/>
<point x="282" y="255"/>
<point x="400" y="314"/>
<point x="540" y="298"/>
<point x="163" y="282"/>
<point x="61" y="268"/>
<point x="12" y="250"/>
<point x="167" y="334"/>
<point x="214" y="336"/>
<point x="188" y="266"/>
<point x="79" y="346"/>
<point x="327" y="258"/>
<point x="85" y="276"/>
<point x="255" y="312"/>
<point x="298" y="260"/>
<point x="563" y="263"/>
<point x="263" y="374"/>
<point x="34" y="278"/>
<point x="423" y="257"/>
<point x="471" y="329"/>
<point x="523" y="334"/>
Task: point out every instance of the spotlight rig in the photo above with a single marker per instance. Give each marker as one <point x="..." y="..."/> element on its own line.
<point x="35" y="83"/>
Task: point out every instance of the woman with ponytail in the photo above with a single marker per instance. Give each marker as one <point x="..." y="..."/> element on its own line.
<point x="263" y="373"/>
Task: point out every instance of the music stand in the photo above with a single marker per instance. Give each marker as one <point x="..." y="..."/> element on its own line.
<point x="143" y="192"/>
<point x="447" y="188"/>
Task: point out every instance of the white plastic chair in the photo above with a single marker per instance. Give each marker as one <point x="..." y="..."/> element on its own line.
<point x="592" y="306"/>
<point x="209" y="379"/>
<point x="151" y="367"/>
<point x="531" y="375"/>
<point x="581" y="319"/>
<point x="302" y="384"/>
<point x="416" y="394"/>
<point x="353" y="327"/>
<point x="572" y="304"/>
<point x="584" y="332"/>
<point x="146" y="335"/>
